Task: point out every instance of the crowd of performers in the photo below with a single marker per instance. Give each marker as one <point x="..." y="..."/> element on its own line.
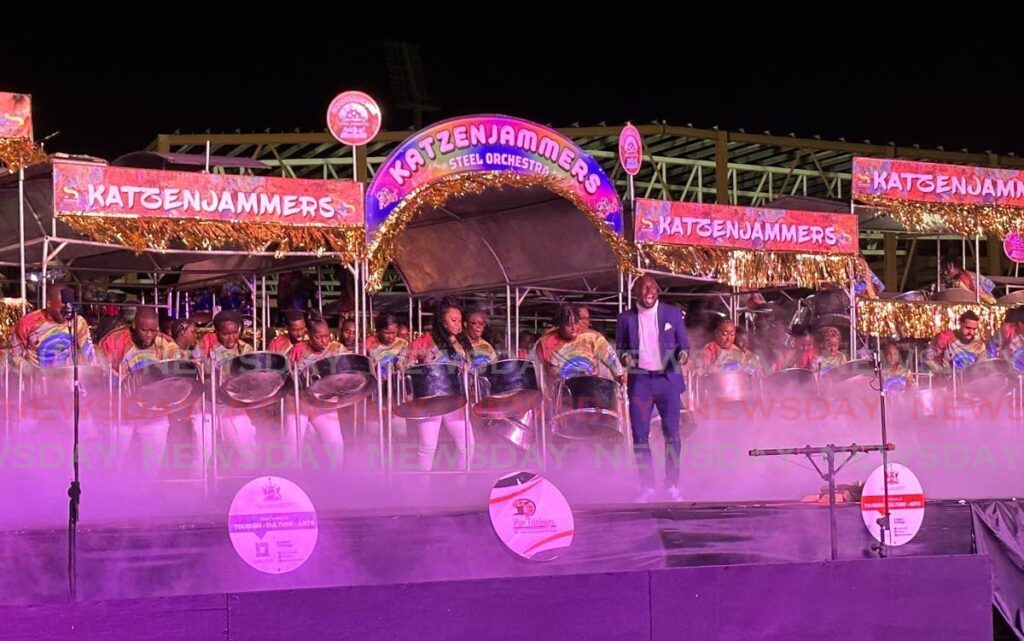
<point x="650" y="356"/>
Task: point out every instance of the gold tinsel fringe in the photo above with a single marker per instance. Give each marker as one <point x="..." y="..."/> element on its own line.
<point x="11" y="311"/>
<point x="16" y="153"/>
<point x="904" y="319"/>
<point x="385" y="246"/>
<point x="751" y="269"/>
<point x="966" y="220"/>
<point x="143" y="234"/>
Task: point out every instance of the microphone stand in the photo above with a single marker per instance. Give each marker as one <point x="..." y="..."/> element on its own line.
<point x="75" y="491"/>
<point x="883" y="522"/>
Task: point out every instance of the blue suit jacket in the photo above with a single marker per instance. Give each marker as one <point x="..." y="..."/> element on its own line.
<point x="671" y="336"/>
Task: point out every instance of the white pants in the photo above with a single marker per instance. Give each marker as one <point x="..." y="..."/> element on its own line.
<point x="325" y="424"/>
<point x="461" y="433"/>
<point x="238" y="433"/>
<point x="150" y="434"/>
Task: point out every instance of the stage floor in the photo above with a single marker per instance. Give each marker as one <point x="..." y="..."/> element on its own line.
<point x="187" y="557"/>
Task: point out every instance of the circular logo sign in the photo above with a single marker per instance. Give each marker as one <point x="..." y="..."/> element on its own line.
<point x="631" y="149"/>
<point x="353" y="118"/>
<point x="530" y="516"/>
<point x="1013" y="247"/>
<point x="272" y="525"/>
<point x="906" y="504"/>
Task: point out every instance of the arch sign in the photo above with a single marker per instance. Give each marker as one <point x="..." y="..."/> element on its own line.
<point x="486" y="144"/>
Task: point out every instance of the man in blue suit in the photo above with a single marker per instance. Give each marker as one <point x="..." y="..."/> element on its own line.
<point x="652" y="342"/>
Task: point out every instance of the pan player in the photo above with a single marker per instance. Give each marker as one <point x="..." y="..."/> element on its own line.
<point x="41" y="345"/>
<point x="126" y="350"/>
<point x="324" y="421"/>
<point x="237" y="428"/>
<point x="295" y="333"/>
<point x="444" y="344"/>
<point x="565" y="351"/>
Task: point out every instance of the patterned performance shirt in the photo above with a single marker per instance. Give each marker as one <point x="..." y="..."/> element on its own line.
<point x="44" y="343"/>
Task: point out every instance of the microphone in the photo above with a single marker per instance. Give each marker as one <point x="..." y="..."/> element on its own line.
<point x="67" y="302"/>
<point x="876" y="360"/>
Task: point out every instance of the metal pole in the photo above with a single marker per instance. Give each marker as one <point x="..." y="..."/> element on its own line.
<point x="977" y="269"/>
<point x="380" y="418"/>
<point x="621" y="283"/>
<point x="853" y="319"/>
<point x="298" y="418"/>
<point x="120" y="418"/>
<point x="202" y="446"/>
<point x="214" y="422"/>
<point x="7" y="398"/>
<point x="42" y="283"/>
<point x="359" y="293"/>
<point x="319" y="290"/>
<point x="543" y="420"/>
<point x="394" y="396"/>
<point x="465" y="417"/>
<point x="355" y="300"/>
<point x="368" y="327"/>
<point x="265" y="319"/>
<point x="833" y="531"/>
<point x="508" y="325"/>
<point x="367" y="305"/>
<point x="516" y="338"/>
<point x="21" y="395"/>
<point x="21" y="235"/>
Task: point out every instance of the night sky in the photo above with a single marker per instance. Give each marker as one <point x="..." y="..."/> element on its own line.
<point x="109" y="92"/>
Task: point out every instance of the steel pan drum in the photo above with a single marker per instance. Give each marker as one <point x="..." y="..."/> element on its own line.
<point x="47" y="386"/>
<point x="338" y="381"/>
<point x="508" y="388"/>
<point x="516" y="430"/>
<point x="914" y="296"/>
<point x="1013" y="298"/>
<point x="161" y="388"/>
<point x="587" y="407"/>
<point x="830" y="302"/>
<point x="432" y="390"/>
<point x="731" y="387"/>
<point x="955" y="295"/>
<point x="853" y="377"/>
<point x="795" y="380"/>
<point x="839" y="321"/>
<point x="992" y="377"/>
<point x="253" y="380"/>
<point x="802" y="316"/>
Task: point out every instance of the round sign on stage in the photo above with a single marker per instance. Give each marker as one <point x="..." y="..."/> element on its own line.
<point x="531" y="516"/>
<point x="1013" y="247"/>
<point x="272" y="525"/>
<point x="631" y="150"/>
<point x="353" y="118"/>
<point x="906" y="504"/>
